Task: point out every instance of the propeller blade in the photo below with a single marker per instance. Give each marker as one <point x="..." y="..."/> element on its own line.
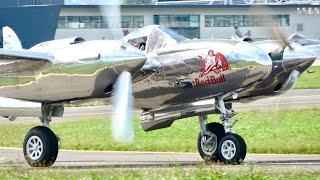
<point x="282" y="37"/>
<point x="287" y="86"/>
<point x="122" y="124"/>
<point x="290" y="82"/>
<point x="271" y="26"/>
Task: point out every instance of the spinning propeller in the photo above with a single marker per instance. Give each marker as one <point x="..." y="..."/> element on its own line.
<point x="282" y="37"/>
<point x="273" y="28"/>
<point x="122" y="124"/>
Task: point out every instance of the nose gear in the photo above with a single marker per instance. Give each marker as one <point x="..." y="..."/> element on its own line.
<point x="217" y="142"/>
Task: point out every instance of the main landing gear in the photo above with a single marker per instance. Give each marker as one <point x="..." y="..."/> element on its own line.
<point x="40" y="146"/>
<point x="217" y="142"/>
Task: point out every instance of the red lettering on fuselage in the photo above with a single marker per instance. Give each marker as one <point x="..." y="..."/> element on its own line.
<point x="210" y="80"/>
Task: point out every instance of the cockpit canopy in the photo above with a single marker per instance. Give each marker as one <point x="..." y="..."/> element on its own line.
<point x="152" y="38"/>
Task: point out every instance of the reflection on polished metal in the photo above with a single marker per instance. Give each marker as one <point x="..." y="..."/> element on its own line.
<point x="163" y="117"/>
<point x="17" y="108"/>
<point x="172" y="78"/>
<point x="289" y="83"/>
<point x="171" y="71"/>
<point x="287" y="65"/>
<point x="174" y="73"/>
<point x="41" y="77"/>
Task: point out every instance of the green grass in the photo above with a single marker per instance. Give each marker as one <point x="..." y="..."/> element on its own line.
<point x="309" y="80"/>
<point x="286" y="131"/>
<point x="173" y="173"/>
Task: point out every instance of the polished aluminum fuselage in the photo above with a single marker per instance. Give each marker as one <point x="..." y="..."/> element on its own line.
<point x="169" y="76"/>
<point x="77" y="71"/>
<point x="172" y="76"/>
<point x="284" y="63"/>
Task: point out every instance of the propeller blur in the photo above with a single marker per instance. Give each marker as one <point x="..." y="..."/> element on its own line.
<point x="122" y="125"/>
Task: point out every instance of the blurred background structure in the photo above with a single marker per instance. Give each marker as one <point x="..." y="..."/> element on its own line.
<point x="40" y="20"/>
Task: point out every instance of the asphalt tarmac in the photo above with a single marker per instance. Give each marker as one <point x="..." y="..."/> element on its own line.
<point x="13" y="157"/>
<point x="292" y="99"/>
<point x="97" y="160"/>
<point x="298" y="99"/>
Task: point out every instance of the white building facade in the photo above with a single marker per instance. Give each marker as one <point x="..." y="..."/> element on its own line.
<point x="193" y="21"/>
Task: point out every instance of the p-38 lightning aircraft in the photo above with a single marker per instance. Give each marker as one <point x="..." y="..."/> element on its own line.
<point x="168" y="77"/>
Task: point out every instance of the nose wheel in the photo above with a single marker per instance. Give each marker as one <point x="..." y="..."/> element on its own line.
<point x="40" y="147"/>
<point x="217" y="142"/>
<point x="232" y="149"/>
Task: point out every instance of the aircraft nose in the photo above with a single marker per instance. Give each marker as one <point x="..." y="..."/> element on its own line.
<point x="299" y="58"/>
<point x="252" y="56"/>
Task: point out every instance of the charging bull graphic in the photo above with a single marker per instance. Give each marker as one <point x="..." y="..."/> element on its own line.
<point x="213" y="62"/>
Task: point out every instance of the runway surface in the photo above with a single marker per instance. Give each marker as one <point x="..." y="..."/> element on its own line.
<point x="99" y="160"/>
<point x="292" y="99"/>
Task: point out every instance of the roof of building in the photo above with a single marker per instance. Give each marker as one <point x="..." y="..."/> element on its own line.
<point x="200" y="6"/>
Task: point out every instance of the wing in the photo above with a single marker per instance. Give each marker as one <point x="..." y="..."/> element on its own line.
<point x="22" y="62"/>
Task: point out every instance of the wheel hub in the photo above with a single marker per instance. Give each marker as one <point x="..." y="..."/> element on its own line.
<point x="34" y="147"/>
<point x="228" y="149"/>
<point x="209" y="144"/>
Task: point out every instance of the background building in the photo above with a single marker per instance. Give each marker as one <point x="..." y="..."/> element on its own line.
<point x="33" y="20"/>
<point x="193" y="20"/>
<point x="39" y="20"/>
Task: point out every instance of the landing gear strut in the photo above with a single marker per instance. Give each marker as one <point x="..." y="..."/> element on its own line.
<point x="40" y="146"/>
<point x="217" y="142"/>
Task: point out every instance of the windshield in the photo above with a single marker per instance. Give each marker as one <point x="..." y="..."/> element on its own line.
<point x="174" y="35"/>
<point x="151" y="38"/>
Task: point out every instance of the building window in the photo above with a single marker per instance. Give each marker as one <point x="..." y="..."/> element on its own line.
<point x="246" y="20"/>
<point x="194" y="21"/>
<point x="92" y="22"/>
<point x="63" y="22"/>
<point x="85" y="22"/>
<point x="187" y="25"/>
<point x="96" y="22"/>
<point x="73" y="22"/>
<point x="182" y="21"/>
<point x="132" y="21"/>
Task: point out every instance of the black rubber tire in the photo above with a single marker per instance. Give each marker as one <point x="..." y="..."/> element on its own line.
<point x="218" y="130"/>
<point x="50" y="147"/>
<point x="241" y="149"/>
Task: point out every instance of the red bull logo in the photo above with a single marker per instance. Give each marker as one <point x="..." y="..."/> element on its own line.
<point x="210" y="80"/>
<point x="213" y="64"/>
